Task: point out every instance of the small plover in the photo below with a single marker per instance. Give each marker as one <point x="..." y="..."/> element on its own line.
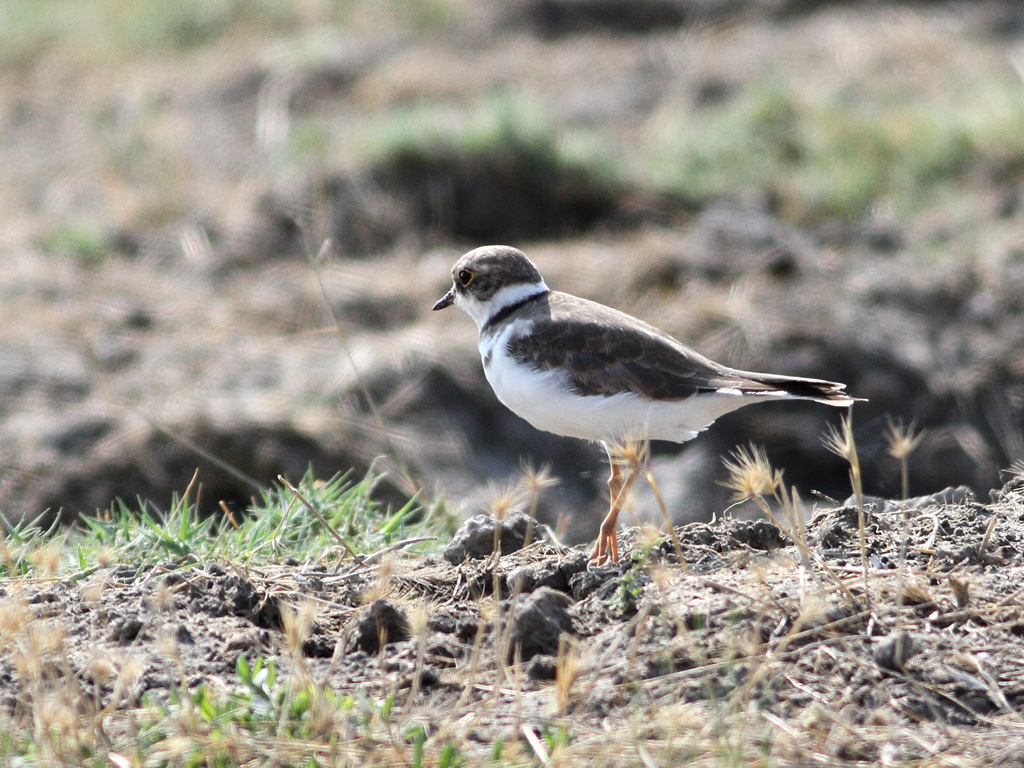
<point x="577" y="368"/>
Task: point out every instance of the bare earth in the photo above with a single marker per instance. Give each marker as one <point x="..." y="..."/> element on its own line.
<point x="645" y="660"/>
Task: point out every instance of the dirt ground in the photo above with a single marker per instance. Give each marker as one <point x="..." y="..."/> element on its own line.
<point x="924" y="667"/>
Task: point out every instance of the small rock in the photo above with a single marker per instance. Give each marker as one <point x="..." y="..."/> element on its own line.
<point x="475" y="538"/>
<point x="379" y="624"/>
<point x="758" y="534"/>
<point x="542" y="667"/>
<point x="588" y="581"/>
<point x="124" y="574"/>
<point x="428" y="678"/>
<point x="539" y="622"/>
<point x="553" y="572"/>
<point x="443" y="623"/>
<point x="113" y="352"/>
<point x="466" y="629"/>
<point x="894" y="652"/>
<point x="76" y="435"/>
<point x="247" y="640"/>
<point x="125" y="630"/>
<point x="16" y="373"/>
<point x="946" y="497"/>
<point x="64" y="372"/>
<point x="319" y="644"/>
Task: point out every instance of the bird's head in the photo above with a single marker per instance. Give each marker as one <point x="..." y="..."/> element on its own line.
<point x="490" y="278"/>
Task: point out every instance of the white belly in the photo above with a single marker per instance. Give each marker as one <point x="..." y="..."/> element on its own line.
<point x="545" y="400"/>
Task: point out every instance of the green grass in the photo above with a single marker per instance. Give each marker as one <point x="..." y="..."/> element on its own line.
<point x="83" y="240"/>
<point x="841" y="156"/>
<point x="511" y="130"/>
<point x="281" y="528"/>
<point x="104" y="29"/>
<point x="255" y="722"/>
<point x="264" y="717"/>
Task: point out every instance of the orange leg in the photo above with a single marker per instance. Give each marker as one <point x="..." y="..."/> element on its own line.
<point x="607" y="547"/>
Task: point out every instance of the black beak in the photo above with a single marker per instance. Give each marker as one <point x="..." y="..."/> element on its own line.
<point x="445" y="301"/>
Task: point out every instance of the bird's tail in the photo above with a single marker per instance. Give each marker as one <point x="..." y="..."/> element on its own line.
<point x="828" y="392"/>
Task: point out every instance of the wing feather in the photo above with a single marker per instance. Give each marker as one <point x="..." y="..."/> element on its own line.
<point x="607" y="352"/>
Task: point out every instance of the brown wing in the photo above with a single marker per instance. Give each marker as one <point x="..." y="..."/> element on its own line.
<point x="607" y="352"/>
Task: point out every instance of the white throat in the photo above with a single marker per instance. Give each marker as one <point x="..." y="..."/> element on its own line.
<point x="482" y="311"/>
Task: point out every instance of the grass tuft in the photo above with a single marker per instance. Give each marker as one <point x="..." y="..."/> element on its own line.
<point x="750" y="474"/>
<point x="841" y="442"/>
<point x="903" y="440"/>
<point x="277" y="528"/>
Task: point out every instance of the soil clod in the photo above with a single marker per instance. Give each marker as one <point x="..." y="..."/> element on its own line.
<point x="379" y="624"/>
<point x="475" y="538"/>
<point x="539" y="621"/>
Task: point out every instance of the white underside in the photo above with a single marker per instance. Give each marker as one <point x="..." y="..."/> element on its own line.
<point x="546" y="401"/>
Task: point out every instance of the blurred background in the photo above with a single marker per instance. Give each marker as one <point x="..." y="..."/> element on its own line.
<point x="223" y="224"/>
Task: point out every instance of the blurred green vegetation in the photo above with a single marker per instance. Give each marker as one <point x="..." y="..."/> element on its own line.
<point x="842" y="156"/>
<point x="118" y="28"/>
<point x="502" y="125"/>
<point x="829" y="151"/>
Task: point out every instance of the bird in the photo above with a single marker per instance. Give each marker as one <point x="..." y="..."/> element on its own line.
<point x="581" y="369"/>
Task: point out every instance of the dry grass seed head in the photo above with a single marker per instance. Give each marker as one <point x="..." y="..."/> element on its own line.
<point x="55" y="717"/>
<point x="661" y="576"/>
<point x="36" y="648"/>
<point x="382" y="587"/>
<point x="537" y="479"/>
<point x="814" y="611"/>
<point x="14" y="616"/>
<point x="503" y="501"/>
<point x="132" y="669"/>
<point x="163" y="596"/>
<point x="419" y="619"/>
<point x="298" y="623"/>
<point x="648" y="537"/>
<point x="8" y="558"/>
<point x="961" y="591"/>
<point x="629" y="454"/>
<point x="45" y="638"/>
<point x="486" y="609"/>
<point x="106" y="557"/>
<point x="840" y="440"/>
<point x="46" y="559"/>
<point x="567" y="670"/>
<point x="965" y="661"/>
<point x="915" y="592"/>
<point x="902" y="440"/>
<point x="101" y="670"/>
<point x="167" y="645"/>
<point x="750" y="474"/>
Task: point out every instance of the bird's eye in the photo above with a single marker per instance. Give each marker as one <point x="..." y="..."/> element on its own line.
<point x="465" y="277"/>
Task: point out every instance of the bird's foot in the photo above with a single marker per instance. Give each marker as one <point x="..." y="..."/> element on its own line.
<point x="606" y="550"/>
